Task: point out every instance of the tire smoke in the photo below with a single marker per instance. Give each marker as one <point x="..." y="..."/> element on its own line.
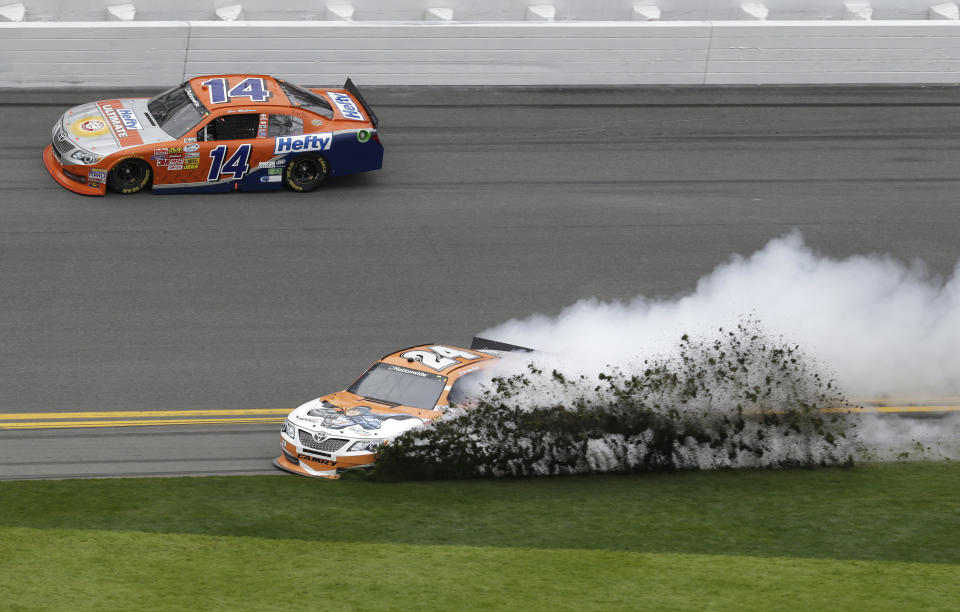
<point x="884" y="327"/>
<point x="879" y="327"/>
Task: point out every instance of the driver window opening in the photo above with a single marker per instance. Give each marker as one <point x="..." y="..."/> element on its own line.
<point x="230" y="127"/>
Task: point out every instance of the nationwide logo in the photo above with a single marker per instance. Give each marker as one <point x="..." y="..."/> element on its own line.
<point x="129" y="119"/>
<point x="304" y="142"/>
<point x="346" y="105"/>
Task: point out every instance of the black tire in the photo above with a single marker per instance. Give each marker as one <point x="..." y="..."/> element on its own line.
<point x="129" y="176"/>
<point x="305" y="172"/>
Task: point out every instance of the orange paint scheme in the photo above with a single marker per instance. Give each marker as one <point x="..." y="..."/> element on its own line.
<point x="334" y="126"/>
<point x="329" y="415"/>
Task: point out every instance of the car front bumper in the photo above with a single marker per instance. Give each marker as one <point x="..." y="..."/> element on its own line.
<point x="302" y="461"/>
<point x="63" y="177"/>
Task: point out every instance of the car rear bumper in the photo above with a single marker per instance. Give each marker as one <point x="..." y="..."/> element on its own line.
<point x="57" y="172"/>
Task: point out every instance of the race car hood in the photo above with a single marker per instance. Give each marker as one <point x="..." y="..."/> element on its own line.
<point x="110" y="125"/>
<point x="345" y="414"/>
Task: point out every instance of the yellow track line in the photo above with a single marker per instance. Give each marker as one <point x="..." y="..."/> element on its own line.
<point x="896" y="409"/>
<point x="136" y="414"/>
<point x="137" y="423"/>
<point x="890" y="401"/>
<point x="143" y="418"/>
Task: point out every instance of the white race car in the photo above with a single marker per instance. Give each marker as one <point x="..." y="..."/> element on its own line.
<point x="403" y="390"/>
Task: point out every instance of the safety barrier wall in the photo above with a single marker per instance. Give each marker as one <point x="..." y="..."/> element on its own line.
<point x="461" y="10"/>
<point x="35" y="54"/>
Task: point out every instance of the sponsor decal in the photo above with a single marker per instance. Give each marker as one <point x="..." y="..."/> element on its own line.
<point x="190" y="148"/>
<point x="193" y="98"/>
<point x="161" y="161"/>
<point x="270" y="178"/>
<point x="305" y="142"/>
<point x="190" y="139"/>
<point x="174" y="166"/>
<point x="274" y="170"/>
<point x="339" y="418"/>
<point x="129" y="119"/>
<point x="89" y="126"/>
<point x="261" y="133"/>
<point x="158" y="153"/>
<point x="275" y="163"/>
<point x="301" y="456"/>
<point x="346" y="105"/>
<point x="316" y="122"/>
<point x="195" y="154"/>
<point x="97" y="174"/>
<point x="126" y="137"/>
<point x="191" y="164"/>
<point x="114" y="119"/>
<point x="363" y="135"/>
<point x="175" y="150"/>
<point x="406" y="371"/>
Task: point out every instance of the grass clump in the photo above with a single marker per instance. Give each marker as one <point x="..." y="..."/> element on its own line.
<point x="740" y="400"/>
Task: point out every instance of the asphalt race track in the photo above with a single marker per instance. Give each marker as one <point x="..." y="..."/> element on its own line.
<point x="491" y="205"/>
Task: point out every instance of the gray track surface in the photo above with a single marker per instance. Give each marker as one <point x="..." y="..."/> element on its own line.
<point x="492" y="204"/>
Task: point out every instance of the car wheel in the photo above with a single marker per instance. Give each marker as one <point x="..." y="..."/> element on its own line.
<point x="304" y="173"/>
<point x="129" y="176"/>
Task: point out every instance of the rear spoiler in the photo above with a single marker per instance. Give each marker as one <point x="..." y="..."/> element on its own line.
<point x="483" y="344"/>
<point x="350" y="87"/>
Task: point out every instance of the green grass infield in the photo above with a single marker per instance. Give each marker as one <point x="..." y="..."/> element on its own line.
<point x="878" y="537"/>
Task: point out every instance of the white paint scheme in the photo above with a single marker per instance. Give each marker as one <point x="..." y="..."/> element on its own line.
<point x="121" y="12"/>
<point x="114" y="54"/>
<point x="947" y="10"/>
<point x="389" y="428"/>
<point x="13" y="12"/>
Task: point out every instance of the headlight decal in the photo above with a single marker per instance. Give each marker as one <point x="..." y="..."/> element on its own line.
<point x="85" y="157"/>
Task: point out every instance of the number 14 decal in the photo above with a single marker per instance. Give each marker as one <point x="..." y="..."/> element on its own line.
<point x="236" y="166"/>
<point x="252" y="88"/>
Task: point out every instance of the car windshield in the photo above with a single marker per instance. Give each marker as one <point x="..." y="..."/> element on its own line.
<point x="402" y="386"/>
<point x="306" y="99"/>
<point x="177" y="110"/>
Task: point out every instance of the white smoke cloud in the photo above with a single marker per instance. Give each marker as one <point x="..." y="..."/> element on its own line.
<point x="881" y="326"/>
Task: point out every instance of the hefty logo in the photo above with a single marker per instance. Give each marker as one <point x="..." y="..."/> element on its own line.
<point x="304" y="142"/>
<point x="112" y="110"/>
<point x="129" y="119"/>
<point x="111" y="114"/>
<point x="346" y="105"/>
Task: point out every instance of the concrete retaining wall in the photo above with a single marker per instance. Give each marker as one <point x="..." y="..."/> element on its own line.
<point x="463" y="10"/>
<point x="34" y="54"/>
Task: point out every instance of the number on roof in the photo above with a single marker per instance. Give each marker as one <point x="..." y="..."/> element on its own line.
<point x="253" y="88"/>
<point x="439" y="357"/>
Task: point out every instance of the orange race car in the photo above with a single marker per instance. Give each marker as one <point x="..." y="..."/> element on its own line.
<point x="405" y="389"/>
<point x="215" y="133"/>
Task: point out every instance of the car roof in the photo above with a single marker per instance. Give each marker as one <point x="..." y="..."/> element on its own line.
<point x="277" y="97"/>
<point x="439" y="358"/>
